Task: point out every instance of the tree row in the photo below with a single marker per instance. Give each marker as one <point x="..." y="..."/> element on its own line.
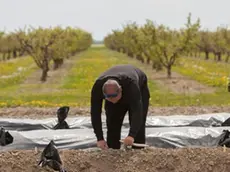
<point x="162" y="46"/>
<point x="45" y="45"/>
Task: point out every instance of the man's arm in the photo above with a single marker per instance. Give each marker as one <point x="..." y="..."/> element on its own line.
<point x="96" y="106"/>
<point x="136" y="109"/>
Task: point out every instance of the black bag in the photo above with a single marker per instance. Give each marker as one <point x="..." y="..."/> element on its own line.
<point x="62" y="114"/>
<point x="225" y="139"/>
<point x="226" y="122"/>
<point x="5" y="137"/>
<point x="51" y="158"/>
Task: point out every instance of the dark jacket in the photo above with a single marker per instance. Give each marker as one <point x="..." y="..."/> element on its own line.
<point x="132" y="81"/>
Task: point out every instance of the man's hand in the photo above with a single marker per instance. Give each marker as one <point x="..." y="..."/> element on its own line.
<point x="102" y="144"/>
<point x="128" y="141"/>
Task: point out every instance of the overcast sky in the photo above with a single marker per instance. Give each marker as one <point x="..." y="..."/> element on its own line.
<point x="100" y="16"/>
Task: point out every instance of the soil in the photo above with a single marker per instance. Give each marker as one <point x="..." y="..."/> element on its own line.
<point x="178" y="83"/>
<point x="148" y="160"/>
<point x="39" y="113"/>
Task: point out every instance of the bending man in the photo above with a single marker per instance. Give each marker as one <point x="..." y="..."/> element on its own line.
<point x="125" y="89"/>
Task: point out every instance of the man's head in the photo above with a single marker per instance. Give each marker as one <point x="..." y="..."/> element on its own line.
<point x="112" y="91"/>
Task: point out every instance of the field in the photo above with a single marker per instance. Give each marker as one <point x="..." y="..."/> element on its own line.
<point x="196" y="87"/>
<point x="71" y="85"/>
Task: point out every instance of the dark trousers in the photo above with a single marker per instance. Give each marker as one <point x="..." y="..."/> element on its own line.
<point x="115" y="114"/>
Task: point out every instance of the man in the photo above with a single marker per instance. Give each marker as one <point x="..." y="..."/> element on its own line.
<point x="125" y="89"/>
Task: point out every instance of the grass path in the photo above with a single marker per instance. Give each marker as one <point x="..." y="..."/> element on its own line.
<point x="207" y="72"/>
<point x="14" y="71"/>
<point x="33" y="85"/>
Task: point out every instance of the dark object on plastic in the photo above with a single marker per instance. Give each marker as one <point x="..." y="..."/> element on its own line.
<point x="51" y="158"/>
<point x="5" y="137"/>
<point x="226" y="122"/>
<point x="62" y="125"/>
<point x="225" y="139"/>
<point x="62" y="113"/>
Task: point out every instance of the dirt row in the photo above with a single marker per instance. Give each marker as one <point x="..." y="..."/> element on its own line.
<point x="149" y="160"/>
<point x="39" y="113"/>
<point x="178" y="83"/>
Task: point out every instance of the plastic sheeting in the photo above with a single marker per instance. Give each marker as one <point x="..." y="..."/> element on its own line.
<point x="161" y="131"/>
<point x="206" y="120"/>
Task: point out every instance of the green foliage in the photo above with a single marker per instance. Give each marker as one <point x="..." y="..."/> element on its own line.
<point x="160" y="44"/>
<point x="46" y="44"/>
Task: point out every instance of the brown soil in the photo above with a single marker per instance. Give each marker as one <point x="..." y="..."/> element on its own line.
<point x="39" y="113"/>
<point x="178" y="83"/>
<point x="149" y="160"/>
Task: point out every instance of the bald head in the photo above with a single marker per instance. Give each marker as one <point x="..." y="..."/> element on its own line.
<point x="112" y="91"/>
<point x="110" y="84"/>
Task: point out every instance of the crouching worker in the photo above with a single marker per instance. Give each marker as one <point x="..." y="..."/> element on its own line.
<point x="125" y="89"/>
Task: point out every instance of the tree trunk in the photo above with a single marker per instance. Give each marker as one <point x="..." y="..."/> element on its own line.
<point x="124" y="51"/>
<point x="219" y="57"/>
<point x="169" y="71"/>
<point x="206" y="55"/>
<point x="15" y="53"/>
<point x="130" y="54"/>
<point x="45" y="69"/>
<point x="21" y="52"/>
<point x="57" y="63"/>
<point x="148" y="60"/>
<point x="9" y="55"/>
<point x="157" y="66"/>
<point x="140" y="58"/>
<point x="44" y="75"/>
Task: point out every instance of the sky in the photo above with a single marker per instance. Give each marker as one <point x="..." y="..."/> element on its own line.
<point x="99" y="17"/>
